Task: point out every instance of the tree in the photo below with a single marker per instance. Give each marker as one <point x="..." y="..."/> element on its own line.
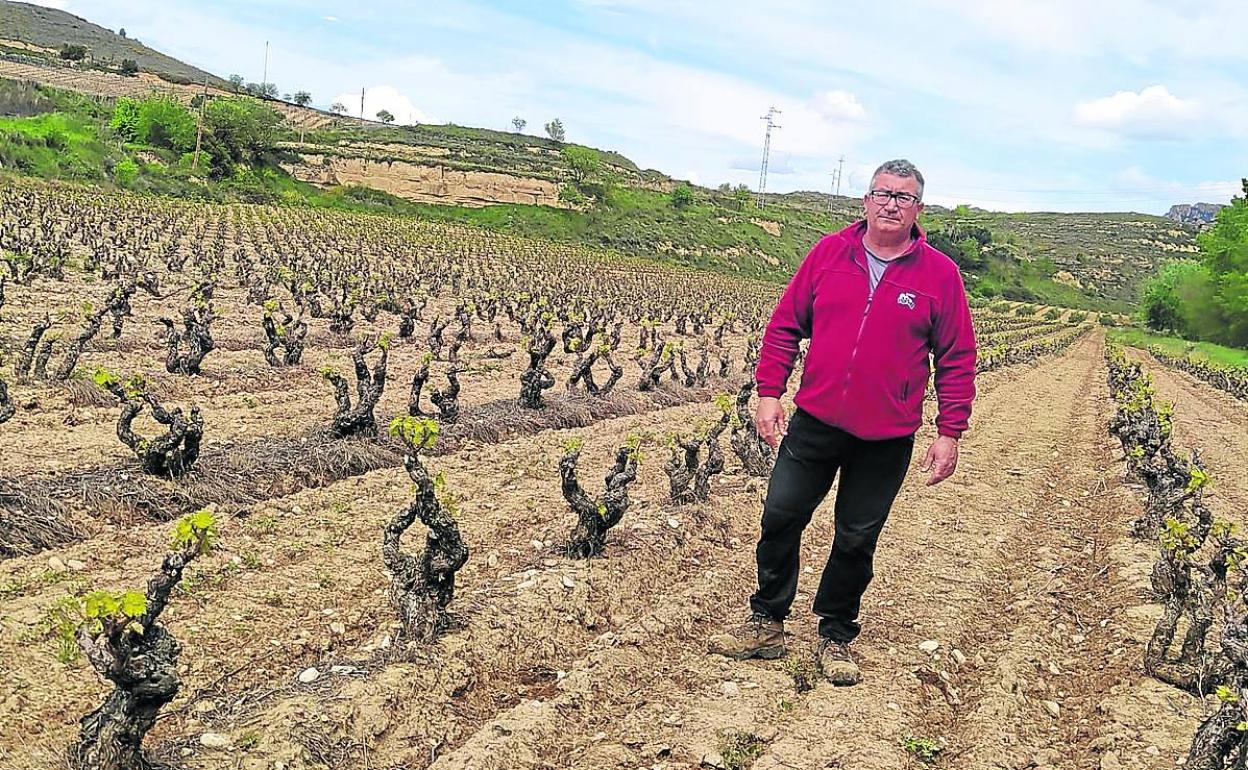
<point x="263" y="90"/>
<point x="385" y="116"/>
<point x="129" y="67"/>
<point x="302" y="98"/>
<point x="584" y="163"/>
<point x="519" y="123"/>
<point x="682" y="196"/>
<point x="236" y="83"/>
<point x="554" y="129"/>
<point x="1224" y="251"/>
<point x="121" y="32"/>
<point x="741" y="196"/>
<point x="73" y="52"/>
<point x="237" y="129"/>
<point x="338" y="108"/>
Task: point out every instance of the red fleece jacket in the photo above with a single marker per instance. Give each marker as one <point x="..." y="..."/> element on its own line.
<point x="867" y="365"/>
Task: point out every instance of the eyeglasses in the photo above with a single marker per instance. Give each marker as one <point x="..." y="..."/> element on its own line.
<point x="904" y="200"/>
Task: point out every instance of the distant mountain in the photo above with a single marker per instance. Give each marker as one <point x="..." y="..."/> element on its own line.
<point x="1195" y="213"/>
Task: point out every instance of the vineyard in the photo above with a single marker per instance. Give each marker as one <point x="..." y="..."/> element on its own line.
<point x="291" y="488"/>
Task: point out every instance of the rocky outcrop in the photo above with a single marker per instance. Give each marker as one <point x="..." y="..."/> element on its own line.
<point x="426" y="183"/>
<point x="1194" y="213"/>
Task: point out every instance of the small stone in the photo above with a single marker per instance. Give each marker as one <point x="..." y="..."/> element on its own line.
<point x="340" y="670"/>
<point x="74" y="564"/>
<point x="568" y="582"/>
<point x="958" y="656"/>
<point x="712" y="759"/>
<point x="1110" y="761"/>
<point x="599" y="737"/>
<point x="309" y="675"/>
<point x="1053" y="708"/>
<point x="337" y="628"/>
<point x="491" y="560"/>
<point x="1152" y="751"/>
<point x="730" y="689"/>
<point x="537" y="545"/>
<point x="673" y="522"/>
<point x="526" y="584"/>
<point x="215" y="741"/>
<point x="930" y="646"/>
<point x="55" y="563"/>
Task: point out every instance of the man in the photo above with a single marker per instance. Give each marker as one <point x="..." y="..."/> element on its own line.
<point x="875" y="300"/>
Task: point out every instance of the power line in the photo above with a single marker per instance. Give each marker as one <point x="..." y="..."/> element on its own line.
<point x="762" y="172"/>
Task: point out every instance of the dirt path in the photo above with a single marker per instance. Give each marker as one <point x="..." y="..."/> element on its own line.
<point x="1213" y="422"/>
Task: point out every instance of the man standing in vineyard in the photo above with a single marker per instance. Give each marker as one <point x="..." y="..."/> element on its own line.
<point x="874" y="300"/>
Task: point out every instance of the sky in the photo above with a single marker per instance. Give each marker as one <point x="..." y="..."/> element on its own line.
<point x="1053" y="105"/>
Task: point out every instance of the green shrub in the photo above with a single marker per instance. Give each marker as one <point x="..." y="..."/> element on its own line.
<point x="158" y="122"/>
<point x="126" y="172"/>
<point x="73" y="52"/>
<point x="125" y="120"/>
<point x="682" y="196"/>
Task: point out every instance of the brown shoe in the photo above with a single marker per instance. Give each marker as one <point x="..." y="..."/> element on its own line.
<point x="758" y="637"/>
<point x="836" y="662"/>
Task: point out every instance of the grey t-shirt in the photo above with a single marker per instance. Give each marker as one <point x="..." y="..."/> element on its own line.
<point x="876" y="267"/>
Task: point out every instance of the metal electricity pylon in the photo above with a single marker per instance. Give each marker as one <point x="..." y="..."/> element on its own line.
<point x="762" y="172"/>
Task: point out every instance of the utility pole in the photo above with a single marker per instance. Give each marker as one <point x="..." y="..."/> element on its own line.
<point x="762" y="172"/>
<point x="840" y="170"/>
<point x="264" y="79"/>
<point x="361" y="102"/>
<point x="199" y="133"/>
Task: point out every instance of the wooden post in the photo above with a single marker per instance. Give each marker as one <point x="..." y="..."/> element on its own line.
<point x="199" y="134"/>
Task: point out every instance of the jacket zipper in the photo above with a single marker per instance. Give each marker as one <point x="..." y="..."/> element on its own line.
<point x="849" y="367"/>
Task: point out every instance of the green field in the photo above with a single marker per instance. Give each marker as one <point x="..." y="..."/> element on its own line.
<point x="1177" y="347"/>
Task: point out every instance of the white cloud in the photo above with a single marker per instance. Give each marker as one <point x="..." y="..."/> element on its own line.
<point x="1153" y="113"/>
<point x="377" y="98"/>
<point x="839" y="106"/>
<point x="331" y="19"/>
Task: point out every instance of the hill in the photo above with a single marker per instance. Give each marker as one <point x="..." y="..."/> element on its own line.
<point x="534" y="186"/>
<point x="36" y="32"/>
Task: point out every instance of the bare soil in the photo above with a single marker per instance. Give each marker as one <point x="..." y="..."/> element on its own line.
<point x="1019" y="568"/>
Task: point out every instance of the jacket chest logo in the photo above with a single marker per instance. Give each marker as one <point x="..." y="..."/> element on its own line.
<point x="906" y="298"/>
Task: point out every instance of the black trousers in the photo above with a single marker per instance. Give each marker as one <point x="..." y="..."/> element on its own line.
<point x="806" y="465"/>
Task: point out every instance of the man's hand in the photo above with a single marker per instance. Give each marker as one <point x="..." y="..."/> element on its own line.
<point x="769" y="420"/>
<point x="941" y="459"/>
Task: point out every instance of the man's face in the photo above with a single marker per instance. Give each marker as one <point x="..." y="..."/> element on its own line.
<point x="891" y="217"/>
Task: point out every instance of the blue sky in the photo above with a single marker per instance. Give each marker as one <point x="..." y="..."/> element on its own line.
<point x="1058" y="105"/>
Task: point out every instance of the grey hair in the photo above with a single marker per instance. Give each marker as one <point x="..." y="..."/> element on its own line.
<point x="899" y="167"/>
